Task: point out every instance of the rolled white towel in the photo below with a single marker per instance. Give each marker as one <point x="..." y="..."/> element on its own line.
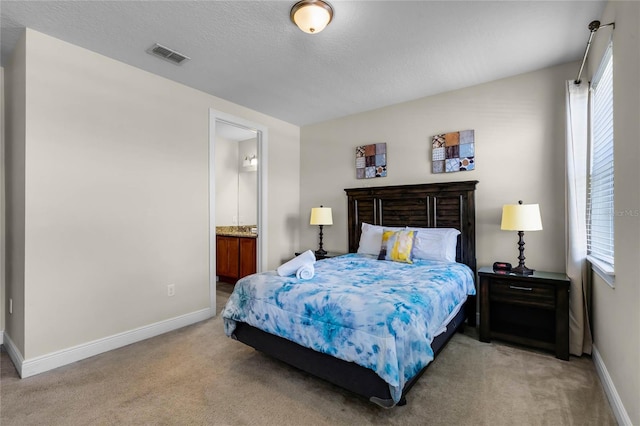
<point x="305" y="272"/>
<point x="290" y="267"/>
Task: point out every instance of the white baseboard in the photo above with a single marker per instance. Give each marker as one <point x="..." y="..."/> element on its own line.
<point x="37" y="365"/>
<point x="14" y="353"/>
<point x="610" y="390"/>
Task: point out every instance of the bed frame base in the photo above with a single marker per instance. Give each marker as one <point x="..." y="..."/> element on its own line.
<point x="348" y="375"/>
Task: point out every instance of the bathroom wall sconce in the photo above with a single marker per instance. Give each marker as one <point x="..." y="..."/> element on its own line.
<point x="250" y="161"/>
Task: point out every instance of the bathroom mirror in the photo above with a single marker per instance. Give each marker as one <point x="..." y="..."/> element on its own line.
<point x="236" y="176"/>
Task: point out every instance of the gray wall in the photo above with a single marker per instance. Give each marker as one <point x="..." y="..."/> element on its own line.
<point x="226" y="164"/>
<point x="15" y="107"/>
<point x="3" y="308"/>
<point x="110" y="201"/>
<point x="519" y="143"/>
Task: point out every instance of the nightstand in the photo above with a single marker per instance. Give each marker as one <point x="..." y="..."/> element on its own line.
<point x="530" y="310"/>
<point x="329" y="254"/>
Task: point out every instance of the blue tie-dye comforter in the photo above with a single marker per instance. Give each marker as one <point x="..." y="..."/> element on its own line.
<point x="382" y="315"/>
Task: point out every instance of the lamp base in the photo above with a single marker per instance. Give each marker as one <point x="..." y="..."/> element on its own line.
<point x="320" y="252"/>
<point x="522" y="270"/>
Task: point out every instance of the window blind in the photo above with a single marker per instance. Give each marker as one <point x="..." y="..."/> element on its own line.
<point x="600" y="196"/>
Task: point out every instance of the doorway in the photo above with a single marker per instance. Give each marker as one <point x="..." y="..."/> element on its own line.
<point x="226" y="127"/>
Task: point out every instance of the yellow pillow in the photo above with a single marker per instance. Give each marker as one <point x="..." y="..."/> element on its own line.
<point x="397" y="246"/>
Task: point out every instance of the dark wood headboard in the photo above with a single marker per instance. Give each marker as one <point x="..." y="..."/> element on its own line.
<point x="429" y="205"/>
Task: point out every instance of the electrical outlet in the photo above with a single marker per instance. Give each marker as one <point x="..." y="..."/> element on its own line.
<point x="171" y="290"/>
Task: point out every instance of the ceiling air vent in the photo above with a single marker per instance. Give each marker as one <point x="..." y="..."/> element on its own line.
<point x="167" y="54"/>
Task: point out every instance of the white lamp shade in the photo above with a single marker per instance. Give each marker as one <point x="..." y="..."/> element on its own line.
<point x="521" y="217"/>
<point x="311" y="16"/>
<point x="321" y="216"/>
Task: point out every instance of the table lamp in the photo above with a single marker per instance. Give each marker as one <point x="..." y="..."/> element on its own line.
<point x="521" y="217"/>
<point x="321" y="216"/>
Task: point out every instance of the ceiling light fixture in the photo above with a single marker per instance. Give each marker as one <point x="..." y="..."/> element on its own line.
<point x="311" y="16"/>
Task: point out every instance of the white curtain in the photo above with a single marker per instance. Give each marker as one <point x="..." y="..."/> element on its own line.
<point x="575" y="214"/>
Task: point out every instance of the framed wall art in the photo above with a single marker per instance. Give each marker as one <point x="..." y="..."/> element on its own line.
<point x="371" y="161"/>
<point x="453" y="152"/>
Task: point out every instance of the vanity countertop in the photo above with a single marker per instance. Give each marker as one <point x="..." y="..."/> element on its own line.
<point x="237" y="231"/>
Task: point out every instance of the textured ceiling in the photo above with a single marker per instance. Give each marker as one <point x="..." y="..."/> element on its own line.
<point x="373" y="53"/>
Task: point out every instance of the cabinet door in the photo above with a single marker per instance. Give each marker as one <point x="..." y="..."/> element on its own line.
<point x="247" y="256"/>
<point x="227" y="256"/>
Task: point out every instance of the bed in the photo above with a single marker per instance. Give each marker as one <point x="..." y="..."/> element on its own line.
<point x="325" y="338"/>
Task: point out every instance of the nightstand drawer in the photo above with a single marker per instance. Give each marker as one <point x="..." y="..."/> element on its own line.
<point x="526" y="309"/>
<point x="518" y="292"/>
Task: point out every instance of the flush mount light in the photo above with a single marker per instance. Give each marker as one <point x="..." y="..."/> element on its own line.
<point x="311" y="16"/>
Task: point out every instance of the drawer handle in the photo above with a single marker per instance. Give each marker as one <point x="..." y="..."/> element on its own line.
<point x="515" y="287"/>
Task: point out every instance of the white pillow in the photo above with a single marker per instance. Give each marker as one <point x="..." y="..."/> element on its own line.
<point x="435" y="244"/>
<point x="371" y="238"/>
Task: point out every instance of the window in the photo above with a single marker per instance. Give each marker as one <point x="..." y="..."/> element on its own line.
<point x="600" y="207"/>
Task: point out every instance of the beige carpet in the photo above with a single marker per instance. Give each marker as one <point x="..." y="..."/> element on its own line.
<point x="198" y="376"/>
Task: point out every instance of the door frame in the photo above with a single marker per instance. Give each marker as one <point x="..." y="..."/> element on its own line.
<point x="262" y="151"/>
